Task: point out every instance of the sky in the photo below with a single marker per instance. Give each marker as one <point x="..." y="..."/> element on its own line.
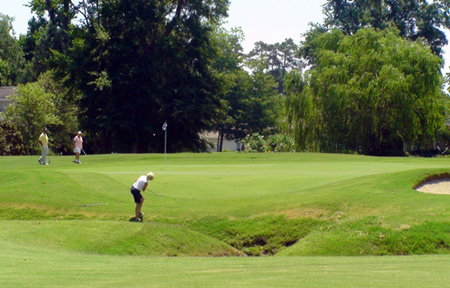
<point x="270" y="21"/>
<point x="273" y="21"/>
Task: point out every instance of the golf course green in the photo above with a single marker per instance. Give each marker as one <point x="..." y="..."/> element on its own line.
<point x="224" y="220"/>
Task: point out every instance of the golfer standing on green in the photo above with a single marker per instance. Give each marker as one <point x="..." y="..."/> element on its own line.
<point x="140" y="185"/>
<point x="77" y="146"/>
<point x="43" y="142"/>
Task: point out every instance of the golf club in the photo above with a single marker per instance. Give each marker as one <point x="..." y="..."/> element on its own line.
<point x="159" y="195"/>
<point x="48" y="154"/>
<point x="83" y="151"/>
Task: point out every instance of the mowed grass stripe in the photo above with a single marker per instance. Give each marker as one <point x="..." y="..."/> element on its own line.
<point x="31" y="267"/>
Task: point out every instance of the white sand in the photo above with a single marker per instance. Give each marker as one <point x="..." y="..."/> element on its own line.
<point x="436" y="186"/>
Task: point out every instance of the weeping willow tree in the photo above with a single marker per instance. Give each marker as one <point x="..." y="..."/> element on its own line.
<point x="370" y="92"/>
<point x="301" y="115"/>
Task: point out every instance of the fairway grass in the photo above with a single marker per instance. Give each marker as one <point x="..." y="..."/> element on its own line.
<point x="26" y="266"/>
<point x="67" y="225"/>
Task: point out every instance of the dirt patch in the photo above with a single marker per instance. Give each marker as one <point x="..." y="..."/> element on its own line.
<point x="304" y="213"/>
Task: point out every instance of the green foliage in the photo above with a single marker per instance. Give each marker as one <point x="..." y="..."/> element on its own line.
<point x="252" y="105"/>
<point x="229" y="49"/>
<point x="299" y="109"/>
<point x="30" y="111"/>
<point x="65" y="100"/>
<point x="35" y="48"/>
<point x="250" y="102"/>
<point x="280" y="143"/>
<point x="371" y="92"/>
<point x="45" y="103"/>
<point x="278" y="59"/>
<point x="140" y="64"/>
<point x="273" y="143"/>
<point x="11" y="56"/>
<point x="4" y="72"/>
<point x="414" y="19"/>
<point x="11" y="142"/>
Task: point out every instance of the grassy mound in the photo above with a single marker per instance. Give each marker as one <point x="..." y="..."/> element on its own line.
<point x="115" y="238"/>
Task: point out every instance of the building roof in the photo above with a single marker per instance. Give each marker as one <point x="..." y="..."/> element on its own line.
<point x="6" y="91"/>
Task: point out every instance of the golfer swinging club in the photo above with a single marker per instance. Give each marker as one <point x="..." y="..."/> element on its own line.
<point x="138" y="186"/>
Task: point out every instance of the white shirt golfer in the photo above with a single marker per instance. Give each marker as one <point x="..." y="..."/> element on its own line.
<point x="140" y="185"/>
<point x="77" y="146"/>
<point x="43" y="142"/>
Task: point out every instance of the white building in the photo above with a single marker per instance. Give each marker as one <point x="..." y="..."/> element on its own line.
<point x="5" y="91"/>
<point x="213" y="137"/>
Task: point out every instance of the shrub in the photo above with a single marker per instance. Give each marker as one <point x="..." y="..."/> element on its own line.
<point x="254" y="143"/>
<point x="11" y="142"/>
<point x="257" y="143"/>
<point x="281" y="143"/>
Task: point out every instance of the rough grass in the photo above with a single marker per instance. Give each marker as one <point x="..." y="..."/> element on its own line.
<point x="256" y="236"/>
<point x="369" y="237"/>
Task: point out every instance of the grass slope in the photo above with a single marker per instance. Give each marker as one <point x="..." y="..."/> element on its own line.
<point x="114" y="238"/>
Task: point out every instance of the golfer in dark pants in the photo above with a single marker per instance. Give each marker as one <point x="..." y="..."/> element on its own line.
<point x="138" y="186"/>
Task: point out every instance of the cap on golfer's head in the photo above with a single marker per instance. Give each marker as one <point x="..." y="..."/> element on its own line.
<point x="150" y="176"/>
<point x="79" y="132"/>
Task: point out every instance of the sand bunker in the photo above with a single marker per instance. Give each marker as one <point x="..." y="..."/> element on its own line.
<point x="435" y="186"/>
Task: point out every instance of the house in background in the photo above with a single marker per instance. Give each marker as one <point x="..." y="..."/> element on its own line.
<point x="5" y="91"/>
<point x="213" y="138"/>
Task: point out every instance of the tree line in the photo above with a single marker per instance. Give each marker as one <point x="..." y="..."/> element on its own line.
<point x="366" y="80"/>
